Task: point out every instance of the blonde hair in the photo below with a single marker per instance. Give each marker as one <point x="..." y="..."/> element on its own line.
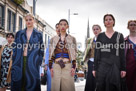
<point x="97" y="26"/>
<point x="29" y="14"/>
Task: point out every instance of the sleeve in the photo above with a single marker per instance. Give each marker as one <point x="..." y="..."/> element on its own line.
<point x="75" y="43"/>
<point x="52" y="58"/>
<point x="51" y="62"/>
<point x="122" y="54"/>
<point x="14" y="45"/>
<point x="47" y="55"/>
<point x="41" y="50"/>
<point x="1" y="49"/>
<point x="47" y="61"/>
<point x="86" y="50"/>
<point x="74" y="61"/>
<point x="97" y="53"/>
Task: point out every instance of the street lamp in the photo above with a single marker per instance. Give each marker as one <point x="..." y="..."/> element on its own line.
<point x="69" y="19"/>
<point x="34" y="6"/>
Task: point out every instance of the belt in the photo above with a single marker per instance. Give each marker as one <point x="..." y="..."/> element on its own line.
<point x="64" y="62"/>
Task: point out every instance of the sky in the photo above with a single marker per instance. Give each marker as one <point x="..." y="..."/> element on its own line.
<point x="93" y="10"/>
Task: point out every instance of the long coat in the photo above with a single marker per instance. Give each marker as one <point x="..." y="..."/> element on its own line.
<point x="35" y="53"/>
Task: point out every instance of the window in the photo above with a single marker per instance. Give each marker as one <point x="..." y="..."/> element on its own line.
<point x="20" y="23"/>
<point x="1" y="16"/>
<point x="8" y="20"/>
<point x="11" y="22"/>
<point x="48" y="38"/>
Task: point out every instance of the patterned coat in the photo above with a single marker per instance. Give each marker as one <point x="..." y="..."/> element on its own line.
<point x="70" y="43"/>
<point x="35" y="55"/>
<point x="88" y="47"/>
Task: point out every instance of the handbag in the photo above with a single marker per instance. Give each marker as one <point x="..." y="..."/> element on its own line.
<point x="44" y="78"/>
<point x="61" y="63"/>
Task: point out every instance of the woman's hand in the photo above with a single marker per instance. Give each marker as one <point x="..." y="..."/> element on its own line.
<point x="45" y="68"/>
<point x="94" y="73"/>
<point x="72" y="72"/>
<point x="123" y="74"/>
<point x="51" y="70"/>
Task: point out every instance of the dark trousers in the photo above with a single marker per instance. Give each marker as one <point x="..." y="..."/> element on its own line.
<point x="90" y="81"/>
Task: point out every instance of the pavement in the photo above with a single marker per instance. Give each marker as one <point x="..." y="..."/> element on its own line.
<point x="79" y="86"/>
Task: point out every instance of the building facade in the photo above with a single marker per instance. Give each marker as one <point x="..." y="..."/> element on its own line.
<point x="12" y="19"/>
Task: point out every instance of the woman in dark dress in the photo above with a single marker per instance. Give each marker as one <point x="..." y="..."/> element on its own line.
<point x="109" y="60"/>
<point x="131" y="56"/>
<point x="89" y="58"/>
<point x="5" y="58"/>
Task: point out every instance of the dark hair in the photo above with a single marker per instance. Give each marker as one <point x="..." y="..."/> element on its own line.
<point x="56" y="25"/>
<point x="10" y="34"/>
<point x="110" y="16"/>
<point x="63" y="20"/>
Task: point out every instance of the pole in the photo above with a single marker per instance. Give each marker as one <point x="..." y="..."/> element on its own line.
<point x="34" y="4"/>
<point x="69" y="21"/>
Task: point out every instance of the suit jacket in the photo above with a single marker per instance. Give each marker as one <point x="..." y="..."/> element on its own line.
<point x="70" y="43"/>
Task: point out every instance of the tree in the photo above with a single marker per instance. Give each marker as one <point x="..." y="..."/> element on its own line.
<point x="18" y="1"/>
<point x="79" y="59"/>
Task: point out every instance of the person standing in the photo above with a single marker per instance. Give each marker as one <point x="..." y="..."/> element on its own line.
<point x="28" y="52"/>
<point x="109" y="60"/>
<point x="130" y="42"/>
<point x="89" y="58"/>
<point x="63" y="48"/>
<point x="47" y="61"/>
<point x="6" y="62"/>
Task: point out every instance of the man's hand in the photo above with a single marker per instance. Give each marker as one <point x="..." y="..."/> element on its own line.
<point x="123" y="74"/>
<point x="72" y="71"/>
<point x="51" y="70"/>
